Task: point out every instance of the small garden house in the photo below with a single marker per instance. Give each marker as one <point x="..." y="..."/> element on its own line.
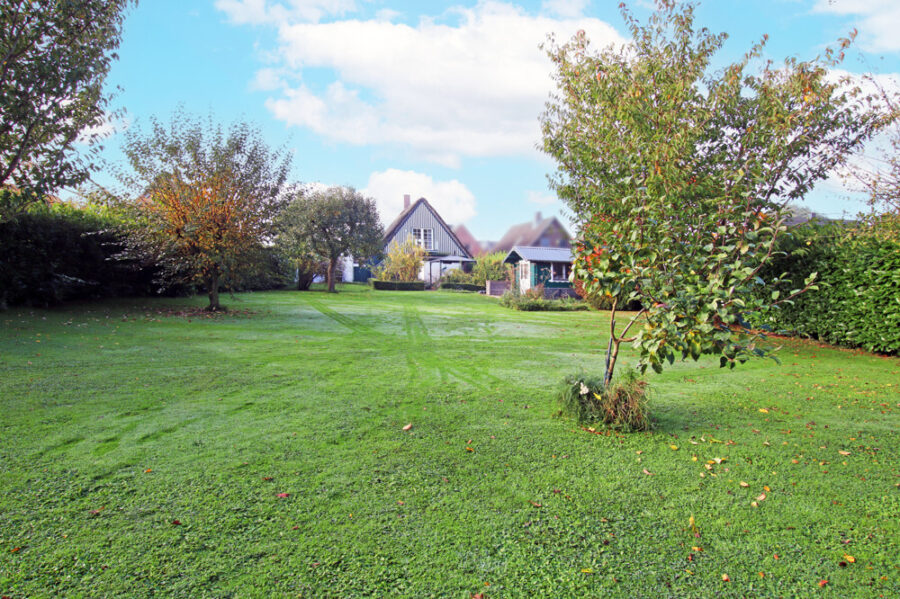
<point x="545" y="266"/>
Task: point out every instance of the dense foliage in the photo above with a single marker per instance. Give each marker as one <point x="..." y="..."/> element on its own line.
<point x="397" y="285"/>
<point x="50" y="254"/>
<point x="678" y="175"/>
<point x="402" y="262"/>
<point x="204" y="200"/>
<point x="858" y="301"/>
<point x="54" y="58"/>
<point x="325" y="225"/>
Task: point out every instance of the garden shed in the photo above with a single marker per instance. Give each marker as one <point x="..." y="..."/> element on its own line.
<point x="545" y="266"/>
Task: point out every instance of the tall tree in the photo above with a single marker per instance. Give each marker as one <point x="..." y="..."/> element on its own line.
<point x="204" y="198"/>
<point x="330" y="223"/>
<point x="54" y="58"/>
<point x="678" y="175"/>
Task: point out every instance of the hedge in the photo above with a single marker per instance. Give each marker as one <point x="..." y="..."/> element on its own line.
<point x="461" y="286"/>
<point x="858" y="300"/>
<point x="397" y="285"/>
<point x="58" y="253"/>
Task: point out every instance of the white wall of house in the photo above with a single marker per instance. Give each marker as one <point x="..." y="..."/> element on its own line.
<point x="346" y="268"/>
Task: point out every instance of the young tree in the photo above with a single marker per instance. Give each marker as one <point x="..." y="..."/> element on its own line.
<point x="206" y="199"/>
<point x="403" y="261"/>
<point x="331" y="223"/>
<point x="679" y="176"/>
<point x="54" y="58"/>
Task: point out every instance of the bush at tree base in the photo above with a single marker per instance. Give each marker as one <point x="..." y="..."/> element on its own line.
<point x="858" y="301"/>
<point x="621" y="405"/>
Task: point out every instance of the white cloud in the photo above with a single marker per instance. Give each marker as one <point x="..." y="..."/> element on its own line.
<point x="452" y="199"/>
<point x="256" y="12"/>
<point x="878" y="20"/>
<point x="471" y="89"/>
<point x="565" y="8"/>
<point x="541" y="198"/>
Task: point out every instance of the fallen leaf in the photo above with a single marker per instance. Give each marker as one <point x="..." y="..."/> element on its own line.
<point x="283" y="495"/>
<point x="754" y="504"/>
<point x="587" y="571"/>
<point x="176" y="523"/>
<point x="148" y="470"/>
<point x="776" y="556"/>
<point x="764" y="411"/>
<point x="725" y="578"/>
<point x="842" y="452"/>
<point x="850" y="558"/>
<point x="743" y="484"/>
<point x="469" y="449"/>
<point x="762" y="574"/>
<point x="648" y="473"/>
<point x="408" y="426"/>
<point x="766" y="488"/>
<point x="762" y="497"/>
<point x="823" y="582"/>
<point x="673" y="447"/>
<point x="535" y="504"/>
<point x="267" y="478"/>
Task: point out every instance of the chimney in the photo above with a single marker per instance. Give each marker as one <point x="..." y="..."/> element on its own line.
<point x="406" y="201"/>
<point x="537" y="218"/>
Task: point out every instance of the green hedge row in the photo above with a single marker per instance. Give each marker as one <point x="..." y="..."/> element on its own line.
<point x="858" y="300"/>
<point x="61" y="253"/>
<point x="461" y="286"/>
<point x="397" y="285"/>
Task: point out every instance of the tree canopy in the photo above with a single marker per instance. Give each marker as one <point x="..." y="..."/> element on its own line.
<point x="330" y="223"/>
<point x="678" y="175"/>
<point x="54" y="58"/>
<point x="204" y="198"/>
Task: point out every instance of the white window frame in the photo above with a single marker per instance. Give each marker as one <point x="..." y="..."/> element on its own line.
<point x="565" y="275"/>
<point x="424" y="238"/>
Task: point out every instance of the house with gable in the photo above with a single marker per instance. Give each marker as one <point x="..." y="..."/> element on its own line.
<point x="540" y="232"/>
<point x="443" y="248"/>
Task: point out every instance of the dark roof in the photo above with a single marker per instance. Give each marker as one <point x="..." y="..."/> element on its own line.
<point x="401" y="218"/>
<point x="538" y="254"/>
<point x="526" y="234"/>
<point x="471" y="244"/>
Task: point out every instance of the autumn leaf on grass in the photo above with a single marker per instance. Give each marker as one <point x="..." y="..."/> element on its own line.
<point x="850" y="558"/>
<point x="673" y="447"/>
<point x="822" y="583"/>
<point x="648" y="473"/>
<point x="469" y="449"/>
<point x="842" y="452"/>
<point x="283" y="495"/>
<point x="408" y="426"/>
<point x="97" y="511"/>
<point x="744" y="484"/>
<point x="764" y="411"/>
<point x="725" y="578"/>
<point x="693" y="526"/>
<point x="535" y="504"/>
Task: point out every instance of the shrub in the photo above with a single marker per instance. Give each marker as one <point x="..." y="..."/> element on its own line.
<point x="461" y="286"/>
<point x="490" y="267"/>
<point x="523" y="303"/>
<point x="858" y="301"/>
<point x="403" y="262"/>
<point x="456" y="276"/>
<point x="397" y="285"/>
<point x="61" y="252"/>
<point x="621" y="405"/>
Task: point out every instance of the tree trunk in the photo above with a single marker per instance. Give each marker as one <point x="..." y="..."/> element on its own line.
<point x="332" y="266"/>
<point x="212" y="289"/>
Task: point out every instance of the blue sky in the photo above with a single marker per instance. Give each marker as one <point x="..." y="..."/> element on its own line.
<point x="434" y="99"/>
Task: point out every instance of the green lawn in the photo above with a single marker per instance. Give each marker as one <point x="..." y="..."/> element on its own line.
<point x="147" y="453"/>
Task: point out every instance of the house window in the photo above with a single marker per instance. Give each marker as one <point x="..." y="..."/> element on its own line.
<point x="560" y="272"/>
<point x="424" y="238"/>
